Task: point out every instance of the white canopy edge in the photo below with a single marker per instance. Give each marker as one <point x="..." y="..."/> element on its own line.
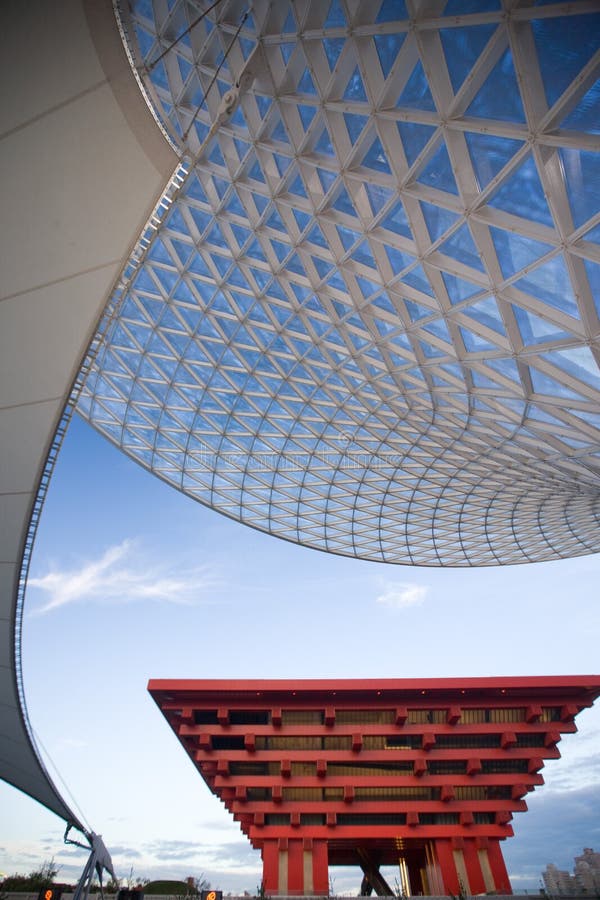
<point x="83" y="163"/>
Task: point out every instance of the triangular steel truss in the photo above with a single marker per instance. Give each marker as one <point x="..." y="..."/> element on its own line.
<point x="369" y="320"/>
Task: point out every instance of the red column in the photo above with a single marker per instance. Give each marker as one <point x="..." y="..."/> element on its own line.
<point x="476" y="880"/>
<point x="443" y="849"/>
<point x="320" y="861"/>
<point x="295" y="866"/>
<point x="498" y="868"/>
<point x="270" y="858"/>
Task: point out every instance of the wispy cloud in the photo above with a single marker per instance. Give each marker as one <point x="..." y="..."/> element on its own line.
<point x="121" y="575"/>
<point x="169" y="849"/>
<point x="401" y="596"/>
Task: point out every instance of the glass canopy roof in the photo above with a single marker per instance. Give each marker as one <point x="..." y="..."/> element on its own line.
<point x="366" y="316"/>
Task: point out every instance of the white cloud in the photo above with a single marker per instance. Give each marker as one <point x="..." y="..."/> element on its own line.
<point x="401" y="596"/>
<point x="121" y="575"/>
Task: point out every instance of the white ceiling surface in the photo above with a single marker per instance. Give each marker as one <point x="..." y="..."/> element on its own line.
<point x="83" y="163"/>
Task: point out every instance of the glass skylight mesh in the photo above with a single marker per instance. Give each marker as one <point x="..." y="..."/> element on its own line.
<point x="368" y="322"/>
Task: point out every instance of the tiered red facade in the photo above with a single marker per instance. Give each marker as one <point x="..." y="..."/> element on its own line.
<point x="424" y="774"/>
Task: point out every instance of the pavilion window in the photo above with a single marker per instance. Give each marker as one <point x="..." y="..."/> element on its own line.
<point x="459" y="741"/>
<point x="447" y="767"/>
<point x="312" y="818"/>
<point x="228" y="742"/>
<point x="419" y="716"/>
<point x="484" y="818"/>
<point x="303" y="793"/>
<point x="303" y="769"/>
<point x="277" y="819"/>
<point x="252" y="768"/>
<point x="258" y="793"/>
<point x="302" y="717"/>
<point x="334" y="794"/>
<point x="205" y="717"/>
<point x="473" y="716"/>
<point x="507" y="766"/>
<point x="531" y="740"/>
<point x="550" y="714"/>
<point x="337" y="742"/>
<point x="371" y="819"/>
<point x="507" y="715"/>
<point x="249" y="717"/>
<point x="369" y="768"/>
<point x="402" y="741"/>
<point x="365" y="716"/>
<point x="438" y="818"/>
<point x="397" y="793"/>
<point x="294" y="742"/>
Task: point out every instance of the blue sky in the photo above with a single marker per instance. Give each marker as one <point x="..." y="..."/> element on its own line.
<point x="130" y="581"/>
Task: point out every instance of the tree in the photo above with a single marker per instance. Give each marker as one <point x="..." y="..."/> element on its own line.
<point x="36" y="879"/>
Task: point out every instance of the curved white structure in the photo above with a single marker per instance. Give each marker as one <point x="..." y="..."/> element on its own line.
<point x="82" y="163"/>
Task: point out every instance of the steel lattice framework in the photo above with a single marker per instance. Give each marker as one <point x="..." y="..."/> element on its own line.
<point x="368" y="319"/>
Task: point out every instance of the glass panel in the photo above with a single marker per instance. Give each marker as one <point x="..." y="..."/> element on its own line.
<point x="473" y="342"/>
<point x="416" y="311"/>
<point x="593" y="274"/>
<point x="564" y="45"/>
<point x="506" y="367"/>
<point x="438" y="219"/>
<point x="355" y="125"/>
<point x="378" y="196"/>
<point x="461" y="247"/>
<point x="355" y="89"/>
<point x="487" y="313"/>
<point x="416" y="93"/>
<point x="464" y="7"/>
<point x="534" y="329"/>
<point x="523" y="195"/>
<point x="582" y="175"/>
<point x="362" y="254"/>
<point x="516" y="251"/>
<point x="439" y="329"/>
<point x="388" y="46"/>
<point x="417" y="279"/>
<point x="398" y="260"/>
<point x="324" y="145"/>
<point x="499" y="97"/>
<point x="391" y="11"/>
<point x="459" y="289"/>
<point x="489" y="154"/>
<point x="545" y="384"/>
<point x="397" y="221"/>
<point x="550" y="282"/>
<point x="414" y="137"/>
<point x="333" y="48"/>
<point x="586" y="115"/>
<point x="307" y="114"/>
<point x="577" y="361"/>
<point x="438" y="172"/>
<point x="376" y="158"/>
<point x="306" y="84"/>
<point x="462" y="47"/>
<point x="335" y="17"/>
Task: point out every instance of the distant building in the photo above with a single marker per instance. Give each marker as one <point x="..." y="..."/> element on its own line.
<point x="585" y="880"/>
<point x="587" y="872"/>
<point x="557" y="882"/>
